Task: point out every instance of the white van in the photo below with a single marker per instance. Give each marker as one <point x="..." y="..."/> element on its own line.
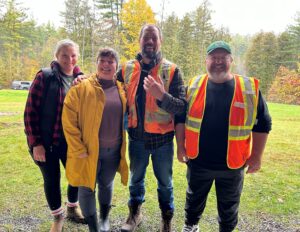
<point x="21" y="84"/>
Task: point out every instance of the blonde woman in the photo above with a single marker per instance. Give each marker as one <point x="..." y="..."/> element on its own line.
<point x="42" y="119"/>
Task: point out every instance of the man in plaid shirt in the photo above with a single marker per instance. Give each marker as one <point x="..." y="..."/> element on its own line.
<point x="155" y="93"/>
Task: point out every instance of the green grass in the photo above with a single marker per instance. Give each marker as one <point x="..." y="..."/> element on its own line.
<point x="270" y="200"/>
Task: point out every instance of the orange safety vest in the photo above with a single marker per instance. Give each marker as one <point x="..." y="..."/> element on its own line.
<point x="242" y="117"/>
<point x="156" y="119"/>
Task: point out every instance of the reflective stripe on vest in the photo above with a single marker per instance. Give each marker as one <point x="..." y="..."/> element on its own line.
<point x="156" y="119"/>
<point x="242" y="117"/>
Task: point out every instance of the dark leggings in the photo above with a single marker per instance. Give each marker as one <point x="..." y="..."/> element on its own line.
<point x="51" y="174"/>
<point x="108" y="163"/>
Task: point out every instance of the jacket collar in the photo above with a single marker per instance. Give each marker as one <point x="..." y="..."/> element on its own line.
<point x="56" y="69"/>
<point x="153" y="62"/>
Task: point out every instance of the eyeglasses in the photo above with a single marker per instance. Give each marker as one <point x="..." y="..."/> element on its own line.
<point x="219" y="58"/>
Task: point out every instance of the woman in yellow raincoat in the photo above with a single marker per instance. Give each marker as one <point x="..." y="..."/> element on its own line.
<point x="93" y="124"/>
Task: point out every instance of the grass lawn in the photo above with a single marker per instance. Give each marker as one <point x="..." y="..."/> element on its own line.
<point x="270" y="200"/>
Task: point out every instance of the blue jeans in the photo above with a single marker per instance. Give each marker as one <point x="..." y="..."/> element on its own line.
<point x="162" y="160"/>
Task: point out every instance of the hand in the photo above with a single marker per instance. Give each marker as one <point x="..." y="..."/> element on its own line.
<point x="78" y="79"/>
<point x="154" y="88"/>
<point x="181" y="154"/>
<point x="39" y="153"/>
<point x="84" y="155"/>
<point x="253" y="164"/>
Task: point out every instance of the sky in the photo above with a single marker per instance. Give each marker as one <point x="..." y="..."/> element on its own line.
<point x="239" y="16"/>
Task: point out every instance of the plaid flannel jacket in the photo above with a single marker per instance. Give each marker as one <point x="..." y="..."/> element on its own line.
<point x="32" y="115"/>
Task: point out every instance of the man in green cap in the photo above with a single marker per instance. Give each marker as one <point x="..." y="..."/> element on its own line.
<point x="226" y="129"/>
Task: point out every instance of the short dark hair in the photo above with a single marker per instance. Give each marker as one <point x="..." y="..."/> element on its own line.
<point x="150" y="25"/>
<point x="108" y="52"/>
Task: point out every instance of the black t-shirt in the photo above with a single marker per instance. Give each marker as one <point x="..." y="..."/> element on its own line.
<point x="214" y="127"/>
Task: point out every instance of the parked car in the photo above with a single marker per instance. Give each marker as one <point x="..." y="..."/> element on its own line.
<point x="21" y="84"/>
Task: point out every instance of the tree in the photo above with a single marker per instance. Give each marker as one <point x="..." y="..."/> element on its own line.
<point x="286" y="56"/>
<point x="202" y="36"/>
<point x="134" y="15"/>
<point x="110" y="10"/>
<point x="16" y="36"/>
<point x="78" y="23"/>
<point x="185" y="51"/>
<point x="289" y="45"/>
<point x="286" y="87"/>
<point x="170" y="46"/>
<point x="261" y="59"/>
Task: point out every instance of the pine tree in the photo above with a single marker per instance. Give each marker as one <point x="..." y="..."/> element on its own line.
<point x="170" y="46"/>
<point x="79" y="25"/>
<point x="289" y="45"/>
<point x="261" y="59"/>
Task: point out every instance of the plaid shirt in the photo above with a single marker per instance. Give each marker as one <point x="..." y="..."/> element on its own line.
<point x="152" y="141"/>
<point x="173" y="102"/>
<point x="32" y="114"/>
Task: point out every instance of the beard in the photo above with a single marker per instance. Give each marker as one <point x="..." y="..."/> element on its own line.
<point x="218" y="70"/>
<point x="149" y="54"/>
<point x="219" y="73"/>
<point x="221" y="68"/>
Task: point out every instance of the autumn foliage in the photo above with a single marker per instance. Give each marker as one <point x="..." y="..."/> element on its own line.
<point x="286" y="87"/>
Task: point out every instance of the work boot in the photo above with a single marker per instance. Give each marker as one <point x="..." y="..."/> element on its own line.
<point x="190" y="228"/>
<point x="92" y="222"/>
<point x="166" y="219"/>
<point x="134" y="218"/>
<point x="104" y="220"/>
<point x="74" y="214"/>
<point x="58" y="223"/>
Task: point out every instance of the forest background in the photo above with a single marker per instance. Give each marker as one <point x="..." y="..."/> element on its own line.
<point x="26" y="47"/>
<point x="270" y="200"/>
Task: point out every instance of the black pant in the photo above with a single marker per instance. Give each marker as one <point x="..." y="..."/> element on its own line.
<point x="51" y="174"/>
<point x="228" y="184"/>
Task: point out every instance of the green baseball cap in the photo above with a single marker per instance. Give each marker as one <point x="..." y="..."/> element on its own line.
<point x="218" y="44"/>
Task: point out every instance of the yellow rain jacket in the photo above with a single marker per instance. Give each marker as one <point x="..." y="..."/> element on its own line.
<point x="81" y="118"/>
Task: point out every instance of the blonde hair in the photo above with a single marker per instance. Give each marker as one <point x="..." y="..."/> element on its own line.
<point x="65" y="43"/>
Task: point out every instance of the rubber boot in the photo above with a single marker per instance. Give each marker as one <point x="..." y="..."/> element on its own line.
<point x="104" y="220"/>
<point x="92" y="222"/>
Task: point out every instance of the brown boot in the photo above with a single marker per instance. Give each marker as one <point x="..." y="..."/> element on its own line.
<point x="134" y="218"/>
<point x="58" y="223"/>
<point x="74" y="214"/>
<point x="166" y="221"/>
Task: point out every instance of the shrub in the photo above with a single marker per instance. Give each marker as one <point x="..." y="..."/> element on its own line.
<point x="286" y="87"/>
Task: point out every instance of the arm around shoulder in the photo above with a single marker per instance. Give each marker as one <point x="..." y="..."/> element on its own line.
<point x="70" y="123"/>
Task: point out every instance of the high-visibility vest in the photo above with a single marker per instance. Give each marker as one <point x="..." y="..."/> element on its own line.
<point x="242" y="116"/>
<point x="156" y="120"/>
